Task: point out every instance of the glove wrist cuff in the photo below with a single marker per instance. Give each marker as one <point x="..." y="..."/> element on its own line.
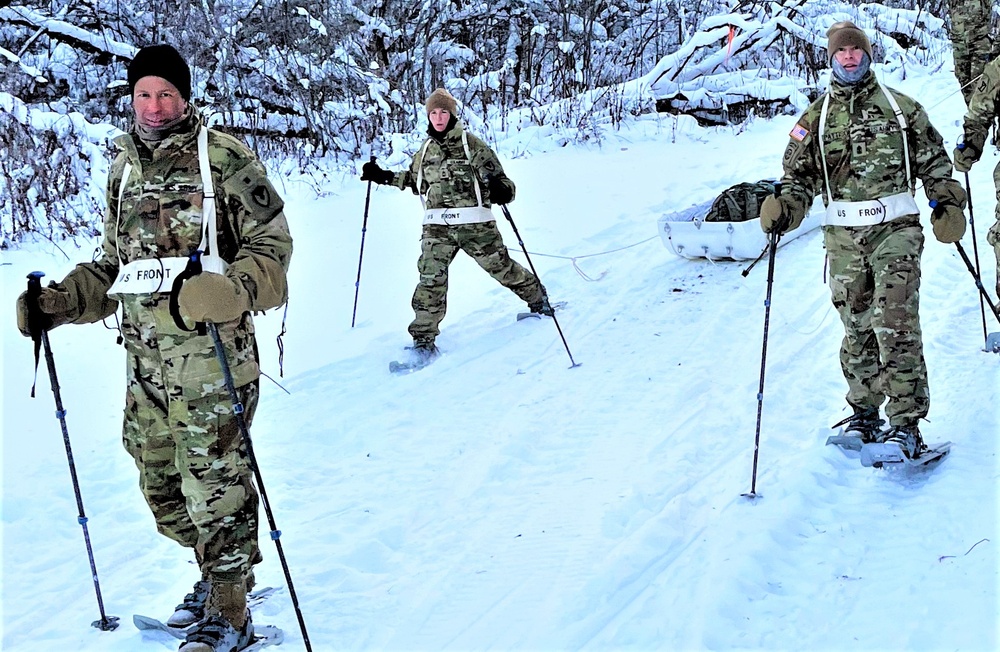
<point x="968" y="149"/>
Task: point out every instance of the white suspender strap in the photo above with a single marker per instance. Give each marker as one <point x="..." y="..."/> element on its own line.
<point x="420" y="172"/>
<point x="475" y="177"/>
<point x="468" y="157"/>
<point x="209" y="230"/>
<point x="901" y="119"/>
<point x="118" y="220"/>
<point x="822" y="152"/>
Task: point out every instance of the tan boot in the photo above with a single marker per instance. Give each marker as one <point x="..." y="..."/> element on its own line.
<point x="229" y="599"/>
<point x="227" y="626"/>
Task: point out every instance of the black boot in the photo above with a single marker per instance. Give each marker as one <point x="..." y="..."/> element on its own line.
<point x="908" y="438"/>
<point x="864" y="423"/>
<point x="424" y="351"/>
<point x="542" y="307"/>
<point x="193" y="608"/>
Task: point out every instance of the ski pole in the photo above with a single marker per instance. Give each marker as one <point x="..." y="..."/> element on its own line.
<point x="749" y="268"/>
<point x="220" y="353"/>
<point x="979" y="281"/>
<point x="975" y="250"/>
<point x="772" y="240"/>
<point x="39" y="333"/>
<point x="364" y="228"/>
<point x="510" y="219"/>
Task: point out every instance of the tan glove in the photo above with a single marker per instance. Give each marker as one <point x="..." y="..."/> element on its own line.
<point x="213" y="297"/>
<point x="55" y="304"/>
<point x="948" y="222"/>
<point x="965" y="156"/>
<point x="776" y="214"/>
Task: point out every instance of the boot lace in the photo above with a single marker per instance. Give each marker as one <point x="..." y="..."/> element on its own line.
<point x="195" y="601"/>
<point x="909" y="440"/>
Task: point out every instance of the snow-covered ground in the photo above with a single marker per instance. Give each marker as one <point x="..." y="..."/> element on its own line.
<point x="500" y="500"/>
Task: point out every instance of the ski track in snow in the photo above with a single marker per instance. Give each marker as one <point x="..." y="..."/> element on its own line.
<point x="499" y="500"/>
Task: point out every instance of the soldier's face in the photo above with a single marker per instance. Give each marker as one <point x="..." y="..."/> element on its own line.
<point x="156" y="102"/>
<point x="849" y="57"/>
<point x="439" y="119"/>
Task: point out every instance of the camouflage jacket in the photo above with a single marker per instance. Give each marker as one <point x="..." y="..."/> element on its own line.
<point x="863" y="145"/>
<point x="448" y="173"/>
<point x="984" y="107"/>
<point x="161" y="217"/>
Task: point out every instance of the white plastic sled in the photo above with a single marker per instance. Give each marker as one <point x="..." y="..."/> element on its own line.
<point x="687" y="234"/>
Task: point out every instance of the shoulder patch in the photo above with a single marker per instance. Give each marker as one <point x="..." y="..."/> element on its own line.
<point x="262" y="196"/>
<point x="792" y="153"/>
<point x="798" y="133"/>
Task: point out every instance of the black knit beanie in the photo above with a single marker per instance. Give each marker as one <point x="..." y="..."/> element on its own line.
<point x="160" y="61"/>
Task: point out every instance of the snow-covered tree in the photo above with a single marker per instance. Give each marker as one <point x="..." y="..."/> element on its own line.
<point x="322" y="83"/>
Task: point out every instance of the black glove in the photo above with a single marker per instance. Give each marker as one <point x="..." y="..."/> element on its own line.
<point x="499" y="192"/>
<point x="370" y="171"/>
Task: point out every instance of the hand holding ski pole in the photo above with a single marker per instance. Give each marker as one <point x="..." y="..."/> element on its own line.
<point x="364" y="229"/>
<point x="194" y="267"/>
<point x="39" y="325"/>
<point x="774" y="235"/>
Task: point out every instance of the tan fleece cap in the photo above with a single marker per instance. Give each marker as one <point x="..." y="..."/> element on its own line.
<point x="442" y="99"/>
<point x="846" y="33"/>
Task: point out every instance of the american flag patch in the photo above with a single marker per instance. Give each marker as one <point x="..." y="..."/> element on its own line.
<point x="799" y="133"/>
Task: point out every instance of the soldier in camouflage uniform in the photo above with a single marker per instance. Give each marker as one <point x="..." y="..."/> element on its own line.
<point x="863" y="146"/>
<point x="179" y="424"/>
<point x="970" y="40"/>
<point x="984" y="108"/>
<point x="457" y="177"/>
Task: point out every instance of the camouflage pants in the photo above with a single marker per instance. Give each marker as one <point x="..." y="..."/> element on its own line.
<point x="993" y="237"/>
<point x="438" y="247"/>
<point x="875" y="287"/>
<point x="970" y="38"/>
<point x="193" y="469"/>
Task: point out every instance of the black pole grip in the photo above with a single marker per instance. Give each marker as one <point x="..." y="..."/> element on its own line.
<point x="38" y="321"/>
<point x="192" y="269"/>
<point x="786" y="220"/>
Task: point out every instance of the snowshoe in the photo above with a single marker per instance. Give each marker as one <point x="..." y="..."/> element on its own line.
<point x="546" y="310"/>
<point x="216" y="634"/>
<point x="902" y="445"/>
<point x="421" y="355"/>
<point x="254" y="598"/>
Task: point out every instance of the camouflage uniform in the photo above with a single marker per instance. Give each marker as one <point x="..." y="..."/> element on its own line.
<point x="874" y="270"/>
<point x="970" y="38"/>
<point x="448" y="179"/>
<point x="984" y="108"/>
<point x="178" y="422"/>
